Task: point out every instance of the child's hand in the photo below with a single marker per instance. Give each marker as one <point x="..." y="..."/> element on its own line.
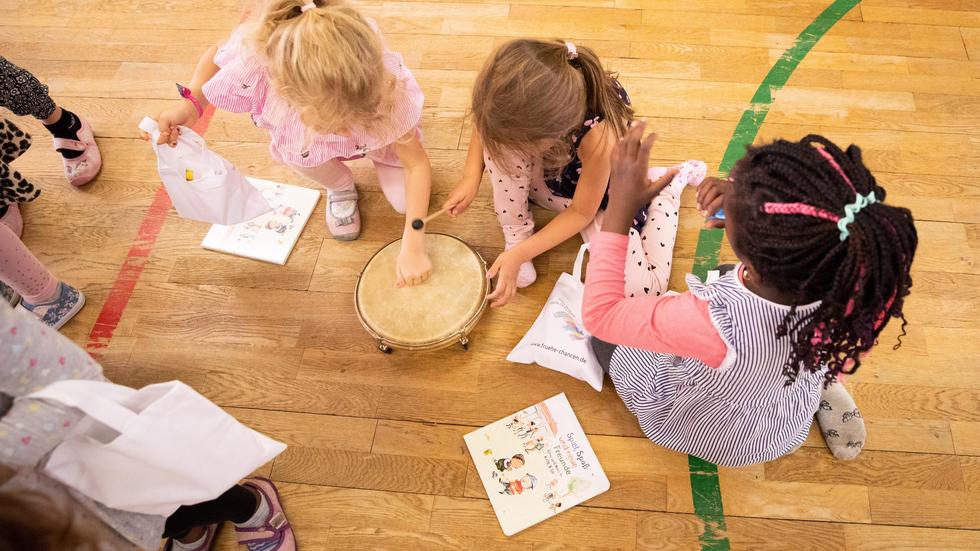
<point x="711" y="198"/>
<point x="412" y="267"/>
<point x="629" y="187"/>
<point x="628" y="182"/>
<point x="460" y="198"/>
<point x="182" y="114"/>
<point x="505" y="269"/>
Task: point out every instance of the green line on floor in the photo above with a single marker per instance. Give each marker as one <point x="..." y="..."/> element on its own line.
<point x="705" y="489"/>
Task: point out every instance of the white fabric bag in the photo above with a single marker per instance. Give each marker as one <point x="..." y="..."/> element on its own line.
<point x="201" y="184"/>
<point x="557" y="339"/>
<point x="154" y="449"/>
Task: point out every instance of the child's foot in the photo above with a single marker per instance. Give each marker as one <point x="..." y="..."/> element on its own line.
<point x="840" y="422"/>
<point x="8" y="294"/>
<point x="689" y="173"/>
<point x="201" y="544"/>
<point x="268" y="529"/>
<point x="343" y="216"/>
<point x="57" y="311"/>
<point x="74" y="140"/>
<point x="526" y="275"/>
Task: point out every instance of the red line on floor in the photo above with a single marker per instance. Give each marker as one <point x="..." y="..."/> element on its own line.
<point x="136" y="259"/>
<point x="139" y="252"/>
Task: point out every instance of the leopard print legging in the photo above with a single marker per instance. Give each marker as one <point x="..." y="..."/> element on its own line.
<point x="23" y="94"/>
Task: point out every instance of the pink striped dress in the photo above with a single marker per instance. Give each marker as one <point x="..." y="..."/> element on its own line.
<point x="242" y="86"/>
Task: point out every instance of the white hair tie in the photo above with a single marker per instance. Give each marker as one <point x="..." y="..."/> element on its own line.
<point x="307" y="6"/>
<point x="572" y="51"/>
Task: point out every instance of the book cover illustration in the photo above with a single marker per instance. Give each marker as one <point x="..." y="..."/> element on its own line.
<point x="535" y="464"/>
<point x="272" y="236"/>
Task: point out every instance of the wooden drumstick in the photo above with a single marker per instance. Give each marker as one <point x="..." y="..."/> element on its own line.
<point x="420" y="223"/>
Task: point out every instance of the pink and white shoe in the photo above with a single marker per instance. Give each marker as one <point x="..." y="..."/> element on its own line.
<point x="82" y="169"/>
<point x="276" y="534"/>
<point x="343" y="216"/>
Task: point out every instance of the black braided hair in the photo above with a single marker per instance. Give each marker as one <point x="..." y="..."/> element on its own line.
<point x="861" y="281"/>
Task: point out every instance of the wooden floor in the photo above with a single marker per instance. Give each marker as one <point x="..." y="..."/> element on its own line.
<point x="376" y="457"/>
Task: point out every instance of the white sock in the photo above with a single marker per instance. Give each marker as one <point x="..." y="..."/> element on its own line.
<point x="179" y="546"/>
<point x="260" y="516"/>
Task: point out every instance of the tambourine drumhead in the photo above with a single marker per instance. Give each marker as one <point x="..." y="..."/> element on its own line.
<point x="428" y="314"/>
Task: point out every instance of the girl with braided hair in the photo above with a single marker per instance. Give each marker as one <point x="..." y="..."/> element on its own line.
<point x="733" y="371"/>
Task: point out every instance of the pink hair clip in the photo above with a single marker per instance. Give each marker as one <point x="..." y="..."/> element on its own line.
<point x="799" y="208"/>
<point x="572" y="51"/>
<point x="830" y="160"/>
<point x="307" y="7"/>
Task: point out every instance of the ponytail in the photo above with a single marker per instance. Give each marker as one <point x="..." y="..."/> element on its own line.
<point x="602" y="90"/>
<point x="277" y="12"/>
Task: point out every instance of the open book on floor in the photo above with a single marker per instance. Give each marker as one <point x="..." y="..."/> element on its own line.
<point x="272" y="236"/>
<point x="535" y="464"/>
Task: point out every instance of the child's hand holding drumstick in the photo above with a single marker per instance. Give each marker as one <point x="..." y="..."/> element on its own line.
<point x="420" y="223"/>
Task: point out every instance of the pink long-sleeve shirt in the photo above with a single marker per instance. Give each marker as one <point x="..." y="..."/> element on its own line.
<point x="676" y="324"/>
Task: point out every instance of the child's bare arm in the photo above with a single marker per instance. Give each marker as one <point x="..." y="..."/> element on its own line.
<point x="462" y="195"/>
<point x="413" y="264"/>
<point x="594" y="152"/>
<point x="185" y="112"/>
<point x="203" y="72"/>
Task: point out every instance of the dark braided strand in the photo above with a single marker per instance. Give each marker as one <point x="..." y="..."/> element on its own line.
<point x="860" y="282"/>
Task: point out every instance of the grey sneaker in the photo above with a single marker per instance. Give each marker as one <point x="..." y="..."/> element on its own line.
<point x="8" y="294"/>
<point x="62" y="308"/>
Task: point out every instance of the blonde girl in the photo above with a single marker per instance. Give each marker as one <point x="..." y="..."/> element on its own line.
<point x="318" y="78"/>
<point x="546" y="116"/>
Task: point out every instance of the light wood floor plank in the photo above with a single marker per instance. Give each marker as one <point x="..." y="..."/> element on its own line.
<point x="376" y="458"/>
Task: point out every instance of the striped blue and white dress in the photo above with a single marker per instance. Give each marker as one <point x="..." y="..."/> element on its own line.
<point x="740" y="413"/>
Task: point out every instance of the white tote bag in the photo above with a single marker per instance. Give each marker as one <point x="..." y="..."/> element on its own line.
<point x="558" y="339"/>
<point x="201" y="184"/>
<point x="154" y="449"/>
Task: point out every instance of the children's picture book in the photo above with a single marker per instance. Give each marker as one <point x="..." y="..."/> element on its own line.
<point x="535" y="464"/>
<point x="272" y="236"/>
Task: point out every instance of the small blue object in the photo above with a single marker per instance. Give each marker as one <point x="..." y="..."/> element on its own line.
<point x="851" y="210"/>
<point x="720" y="215"/>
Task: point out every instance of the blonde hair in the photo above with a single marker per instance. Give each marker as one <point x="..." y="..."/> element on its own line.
<point x="533" y="90"/>
<point x="326" y="62"/>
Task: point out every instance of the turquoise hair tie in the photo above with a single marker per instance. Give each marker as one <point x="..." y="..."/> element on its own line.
<point x="851" y="210"/>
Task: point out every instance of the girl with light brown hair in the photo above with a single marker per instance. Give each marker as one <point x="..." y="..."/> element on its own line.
<point x="546" y="116"/>
<point x="317" y="76"/>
